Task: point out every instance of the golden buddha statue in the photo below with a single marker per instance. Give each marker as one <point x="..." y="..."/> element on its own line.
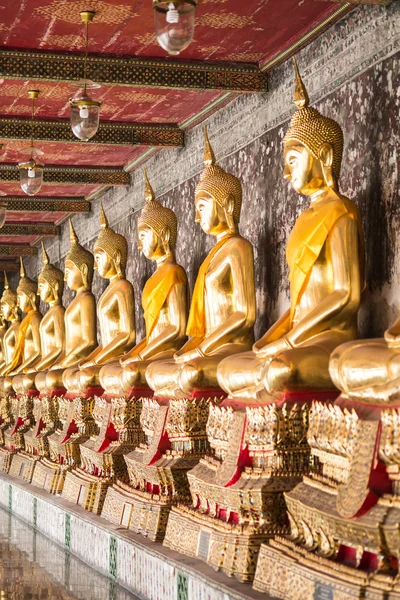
<point x="325" y="254"/>
<point x="28" y="349"/>
<point x="222" y="312"/>
<point x="115" y="311"/>
<point x="52" y="331"/>
<point x="80" y="324"/>
<point x="164" y="300"/>
<point x="11" y="313"/>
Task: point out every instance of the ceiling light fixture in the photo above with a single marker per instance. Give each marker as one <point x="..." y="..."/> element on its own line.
<point x="31" y="171"/>
<point x="174" y="24"/>
<point x="85" y="112"/>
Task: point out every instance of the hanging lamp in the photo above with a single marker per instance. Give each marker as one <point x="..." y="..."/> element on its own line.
<point x="174" y="24"/>
<point x="31" y="171"/>
<point x="85" y="112"/>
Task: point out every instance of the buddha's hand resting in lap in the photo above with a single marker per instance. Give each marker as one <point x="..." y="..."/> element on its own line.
<point x="272" y="349"/>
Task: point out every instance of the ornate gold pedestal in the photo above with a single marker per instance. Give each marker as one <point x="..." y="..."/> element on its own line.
<point x="345" y="514"/>
<point x="36" y="445"/>
<point x="22" y="409"/>
<point x="6" y="413"/>
<point x="102" y="456"/>
<point x="75" y="425"/>
<point x="238" y="492"/>
<point x="176" y="440"/>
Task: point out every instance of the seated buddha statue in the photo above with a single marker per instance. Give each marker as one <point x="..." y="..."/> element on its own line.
<point x="115" y="311"/>
<point x="222" y="312"/>
<point x="80" y="315"/>
<point x="28" y="349"/>
<point x="11" y="313"/>
<point x="325" y="255"/>
<point x="52" y="331"/>
<point x="164" y="300"/>
<point x="368" y="371"/>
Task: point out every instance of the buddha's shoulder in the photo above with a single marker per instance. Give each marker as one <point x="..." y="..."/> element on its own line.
<point x="238" y="242"/>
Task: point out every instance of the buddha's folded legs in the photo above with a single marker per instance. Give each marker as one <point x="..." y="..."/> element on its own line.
<point x="8" y="384"/>
<point x="54" y="379"/>
<point x="199" y="374"/>
<point x="366" y="367"/>
<point x="89" y="378"/>
<point x="109" y="377"/>
<point x="28" y="382"/>
<point x="17" y="384"/>
<point x="161" y="375"/>
<point x="40" y="382"/>
<point x="240" y="375"/>
<point x="134" y="375"/>
<point x="71" y="380"/>
<point x="298" y="370"/>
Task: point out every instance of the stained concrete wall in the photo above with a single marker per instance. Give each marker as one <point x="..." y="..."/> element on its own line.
<point x="353" y="75"/>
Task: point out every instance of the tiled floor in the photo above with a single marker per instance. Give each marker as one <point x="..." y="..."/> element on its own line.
<point x="32" y="568"/>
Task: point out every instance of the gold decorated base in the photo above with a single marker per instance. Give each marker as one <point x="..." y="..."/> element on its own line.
<point x="238" y="492"/>
<point x="157" y="469"/>
<point x="86" y="490"/>
<point x="288" y="572"/>
<point x="227" y="547"/>
<point x="130" y="509"/>
<point x="6" y="457"/>
<point x="23" y="466"/>
<point x="49" y="476"/>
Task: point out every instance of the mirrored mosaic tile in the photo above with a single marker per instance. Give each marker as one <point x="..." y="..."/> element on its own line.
<point x="32" y="567"/>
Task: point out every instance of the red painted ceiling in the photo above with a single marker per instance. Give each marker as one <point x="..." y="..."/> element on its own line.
<point x="252" y="31"/>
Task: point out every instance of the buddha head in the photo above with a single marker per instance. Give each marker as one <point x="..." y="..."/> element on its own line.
<point x="313" y="146"/>
<point x="157" y="227"/>
<point x="218" y="196"/>
<point x="26" y="291"/>
<point x="9" y="302"/>
<point x="79" y="262"/>
<point x="50" y="281"/>
<point x="110" y="250"/>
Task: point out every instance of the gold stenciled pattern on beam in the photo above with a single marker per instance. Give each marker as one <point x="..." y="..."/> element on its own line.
<point x="119" y="134"/>
<point x="107" y="13"/>
<point x="73" y="175"/>
<point x="17" y="64"/>
<point x="15" y="229"/>
<point x="17" y="250"/>
<point x="224" y="20"/>
<point x="9" y="266"/>
<point x="46" y="204"/>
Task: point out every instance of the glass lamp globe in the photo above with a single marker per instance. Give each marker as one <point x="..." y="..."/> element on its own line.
<point x="174" y="24"/>
<point x="3" y="212"/>
<point x="31" y="176"/>
<point x="84" y="116"/>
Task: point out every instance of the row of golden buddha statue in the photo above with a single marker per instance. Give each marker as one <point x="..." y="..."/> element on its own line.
<point x="238" y="452"/>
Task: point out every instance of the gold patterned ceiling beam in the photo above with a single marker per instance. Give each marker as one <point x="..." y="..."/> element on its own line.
<point x="133" y="72"/>
<point x="17" y="250"/>
<point x="118" y="134"/>
<point x="10" y="267"/>
<point x="46" y="204"/>
<point x="73" y="175"/>
<point x="42" y="229"/>
<point x="359" y="1"/>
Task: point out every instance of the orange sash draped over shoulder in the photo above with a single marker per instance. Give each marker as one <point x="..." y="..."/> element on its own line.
<point x="309" y="236"/>
<point x="20" y="345"/>
<point x="197" y="318"/>
<point x="156" y="290"/>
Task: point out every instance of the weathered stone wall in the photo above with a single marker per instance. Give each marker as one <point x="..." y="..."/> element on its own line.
<point x="353" y="75"/>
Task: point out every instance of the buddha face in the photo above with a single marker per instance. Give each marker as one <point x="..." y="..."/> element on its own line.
<point x="45" y="290"/>
<point x="73" y="275"/>
<point x="6" y="310"/>
<point x="104" y="264"/>
<point x="302" y="169"/>
<point x="210" y="214"/>
<point x="149" y="242"/>
<point x="24" y="302"/>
